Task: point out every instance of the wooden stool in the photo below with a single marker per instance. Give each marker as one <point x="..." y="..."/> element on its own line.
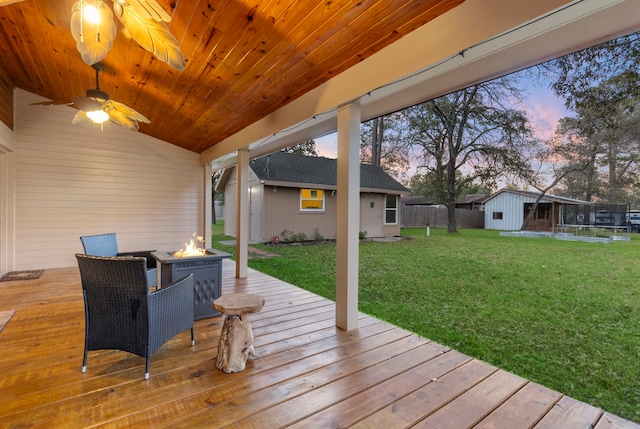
<point x="236" y="339"/>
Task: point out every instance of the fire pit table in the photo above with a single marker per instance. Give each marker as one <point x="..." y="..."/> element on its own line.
<point x="207" y="273"/>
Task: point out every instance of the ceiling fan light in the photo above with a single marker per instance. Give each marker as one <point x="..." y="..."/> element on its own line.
<point x="91" y="13"/>
<point x="98" y="116"/>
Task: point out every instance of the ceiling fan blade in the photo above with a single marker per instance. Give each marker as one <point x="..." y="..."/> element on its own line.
<point x="152" y="35"/>
<point x="81" y="116"/>
<point x="8" y="2"/>
<point x="52" y="103"/>
<point x="126" y="110"/>
<point x="150" y="9"/>
<point x="118" y="117"/>
<point x="87" y="104"/>
<point x="124" y="115"/>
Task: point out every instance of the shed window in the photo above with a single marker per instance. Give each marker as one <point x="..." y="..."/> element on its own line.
<point x="312" y="200"/>
<point x="497" y="215"/>
<point x="391" y="210"/>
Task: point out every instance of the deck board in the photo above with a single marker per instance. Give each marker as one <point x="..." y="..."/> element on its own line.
<point x="473" y="405"/>
<point x="307" y="373"/>
<point x="410" y="409"/>
<point x="523" y="409"/>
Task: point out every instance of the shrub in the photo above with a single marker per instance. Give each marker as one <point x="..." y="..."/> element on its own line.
<point x="317" y="236"/>
<point x="290" y="236"/>
<point x="298" y="236"/>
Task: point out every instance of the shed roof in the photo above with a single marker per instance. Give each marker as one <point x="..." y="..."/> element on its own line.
<point x="418" y="200"/>
<point x="546" y="198"/>
<point x="282" y="169"/>
<point x="471" y="198"/>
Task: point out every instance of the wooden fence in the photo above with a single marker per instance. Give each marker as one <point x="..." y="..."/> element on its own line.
<point x="414" y="216"/>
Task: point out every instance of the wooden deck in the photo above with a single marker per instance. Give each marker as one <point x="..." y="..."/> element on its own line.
<point x="307" y="374"/>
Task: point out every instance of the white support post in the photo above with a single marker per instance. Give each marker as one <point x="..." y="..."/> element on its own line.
<point x="348" y="216"/>
<point x="7" y="211"/>
<point x="208" y="204"/>
<point x="242" y="219"/>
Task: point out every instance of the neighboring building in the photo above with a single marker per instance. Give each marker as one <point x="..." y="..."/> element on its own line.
<point x="471" y="201"/>
<point x="418" y="200"/>
<point x="293" y="194"/>
<point x="465" y="202"/>
<point x="418" y="211"/>
<point x="506" y="210"/>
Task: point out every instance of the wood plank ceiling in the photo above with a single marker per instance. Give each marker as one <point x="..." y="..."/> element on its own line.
<point x="244" y="59"/>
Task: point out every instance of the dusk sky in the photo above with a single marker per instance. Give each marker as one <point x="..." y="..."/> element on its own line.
<point x="543" y="108"/>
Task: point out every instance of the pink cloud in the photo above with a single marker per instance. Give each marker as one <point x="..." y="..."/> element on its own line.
<point x="544" y="110"/>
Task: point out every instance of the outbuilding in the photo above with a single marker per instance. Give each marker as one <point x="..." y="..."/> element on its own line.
<point x="293" y="196"/>
<point x="507" y="209"/>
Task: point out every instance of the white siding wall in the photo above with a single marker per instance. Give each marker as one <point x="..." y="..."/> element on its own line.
<point x="230" y="209"/>
<point x="512" y="208"/>
<point x="7" y="141"/>
<point x="281" y="211"/>
<point x="74" y="180"/>
<point x="231" y="198"/>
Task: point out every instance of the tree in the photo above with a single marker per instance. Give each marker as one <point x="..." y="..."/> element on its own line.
<point x="305" y="148"/>
<point x="573" y="142"/>
<point x="215" y="196"/>
<point x="474" y="131"/>
<point x="595" y="83"/>
<point x="604" y="135"/>
<point x="417" y="184"/>
<point x="573" y="74"/>
<point x="561" y="174"/>
<point x="376" y="140"/>
<point x="426" y="185"/>
<point x="382" y="143"/>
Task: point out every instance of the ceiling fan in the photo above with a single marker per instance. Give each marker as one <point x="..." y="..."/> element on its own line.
<point x="98" y="107"/>
<point x="94" y="30"/>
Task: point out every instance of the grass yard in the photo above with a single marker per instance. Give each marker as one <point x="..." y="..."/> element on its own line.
<point x="563" y="314"/>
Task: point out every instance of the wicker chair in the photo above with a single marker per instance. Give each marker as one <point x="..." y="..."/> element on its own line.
<point x="122" y="314"/>
<point x="107" y="245"/>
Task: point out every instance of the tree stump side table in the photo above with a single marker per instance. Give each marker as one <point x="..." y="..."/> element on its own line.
<point x="236" y="339"/>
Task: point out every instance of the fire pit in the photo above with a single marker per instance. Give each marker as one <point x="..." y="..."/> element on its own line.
<point x="207" y="273"/>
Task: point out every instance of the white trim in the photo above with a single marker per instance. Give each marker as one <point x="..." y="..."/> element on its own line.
<point x="312" y="210"/>
<point x="348" y="219"/>
<point x="385" y="208"/>
<point x="242" y="214"/>
<point x="7" y="211"/>
<point x="208" y="204"/>
<point x="7" y="197"/>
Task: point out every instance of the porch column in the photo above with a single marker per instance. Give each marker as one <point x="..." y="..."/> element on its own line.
<point x="348" y="216"/>
<point x="7" y="199"/>
<point x="7" y="207"/>
<point x="208" y="218"/>
<point x="242" y="214"/>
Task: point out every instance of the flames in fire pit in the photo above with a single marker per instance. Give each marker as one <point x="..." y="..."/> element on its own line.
<point x="191" y="249"/>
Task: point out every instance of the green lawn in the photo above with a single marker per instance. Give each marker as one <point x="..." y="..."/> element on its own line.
<point x="563" y="314"/>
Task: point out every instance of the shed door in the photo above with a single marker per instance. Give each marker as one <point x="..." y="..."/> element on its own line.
<point x="371" y="211"/>
<point x="255" y="212"/>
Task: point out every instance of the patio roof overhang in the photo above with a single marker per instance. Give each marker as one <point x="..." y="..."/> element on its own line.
<point x="474" y="42"/>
